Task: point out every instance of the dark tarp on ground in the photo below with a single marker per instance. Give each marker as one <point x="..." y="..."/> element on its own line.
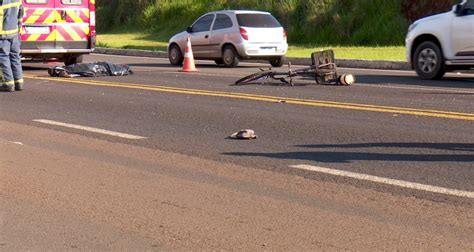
<point x="95" y="69"/>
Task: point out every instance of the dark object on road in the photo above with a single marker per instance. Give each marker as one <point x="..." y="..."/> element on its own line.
<point x="7" y="88"/>
<point x="323" y="69"/>
<point x="95" y="69"/>
<point x="244" y="134"/>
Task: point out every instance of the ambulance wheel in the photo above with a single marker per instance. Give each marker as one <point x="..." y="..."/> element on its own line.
<point x="73" y="60"/>
<point x="175" y="56"/>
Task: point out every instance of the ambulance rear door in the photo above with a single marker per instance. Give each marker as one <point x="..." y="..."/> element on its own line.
<point x="39" y="29"/>
<point x="72" y="24"/>
<point x="57" y="29"/>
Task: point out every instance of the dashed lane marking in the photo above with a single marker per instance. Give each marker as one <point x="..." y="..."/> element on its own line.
<point x="90" y="129"/>
<point x="387" y="181"/>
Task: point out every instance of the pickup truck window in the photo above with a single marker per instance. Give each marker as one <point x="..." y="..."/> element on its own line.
<point x="468" y="8"/>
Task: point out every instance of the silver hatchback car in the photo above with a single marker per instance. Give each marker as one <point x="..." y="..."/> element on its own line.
<point x="230" y="36"/>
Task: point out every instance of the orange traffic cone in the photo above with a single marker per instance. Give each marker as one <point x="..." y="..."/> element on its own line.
<point x="188" y="65"/>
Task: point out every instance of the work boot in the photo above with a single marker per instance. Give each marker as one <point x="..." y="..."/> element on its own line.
<point x="7" y="88"/>
<point x="19" y="86"/>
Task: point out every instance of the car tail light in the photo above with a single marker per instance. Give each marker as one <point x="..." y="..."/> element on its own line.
<point x="284" y="35"/>
<point x="244" y="33"/>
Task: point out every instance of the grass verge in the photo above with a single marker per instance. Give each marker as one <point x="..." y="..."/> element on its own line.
<point x="145" y="41"/>
<point x="390" y="53"/>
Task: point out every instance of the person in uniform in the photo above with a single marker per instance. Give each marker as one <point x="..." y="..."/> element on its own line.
<point x="10" y="61"/>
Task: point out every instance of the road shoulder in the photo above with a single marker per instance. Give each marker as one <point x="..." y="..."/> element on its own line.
<point x="183" y="202"/>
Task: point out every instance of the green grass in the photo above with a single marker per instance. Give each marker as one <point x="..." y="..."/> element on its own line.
<point x="391" y="53"/>
<point x="142" y="41"/>
<point x="315" y="22"/>
<point x="146" y="41"/>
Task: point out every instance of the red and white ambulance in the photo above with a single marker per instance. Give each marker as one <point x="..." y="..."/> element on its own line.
<point x="62" y="30"/>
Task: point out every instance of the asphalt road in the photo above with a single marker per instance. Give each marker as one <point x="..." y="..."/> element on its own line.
<point x="385" y="135"/>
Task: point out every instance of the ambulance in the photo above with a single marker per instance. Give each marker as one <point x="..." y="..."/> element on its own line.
<point x="58" y="30"/>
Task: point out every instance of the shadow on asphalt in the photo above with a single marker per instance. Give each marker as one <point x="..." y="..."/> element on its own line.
<point x="345" y="153"/>
<point x="438" y="146"/>
<point x="38" y="67"/>
<point x="206" y="66"/>
<point x="447" y="82"/>
<point x="45" y="67"/>
<point x="296" y="83"/>
<point x="379" y="79"/>
<point x="151" y="65"/>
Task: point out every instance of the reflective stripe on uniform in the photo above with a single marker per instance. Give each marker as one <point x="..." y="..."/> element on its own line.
<point x="20" y="81"/>
<point x="9" y="32"/>
<point x="7" y="82"/>
<point x="2" y="10"/>
<point x="10" y="5"/>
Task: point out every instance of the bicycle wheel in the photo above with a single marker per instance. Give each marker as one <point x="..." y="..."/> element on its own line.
<point x="263" y="75"/>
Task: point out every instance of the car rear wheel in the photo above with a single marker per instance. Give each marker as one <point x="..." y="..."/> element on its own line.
<point x="277" y="62"/>
<point x="73" y="60"/>
<point x="428" y="61"/>
<point x="230" y="57"/>
<point x="175" y="56"/>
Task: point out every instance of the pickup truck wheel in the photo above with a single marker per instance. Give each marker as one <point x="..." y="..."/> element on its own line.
<point x="230" y="57"/>
<point x="73" y="60"/>
<point x="175" y="56"/>
<point x="428" y="61"/>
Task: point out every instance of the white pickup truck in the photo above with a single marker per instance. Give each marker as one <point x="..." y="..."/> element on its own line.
<point x="442" y="43"/>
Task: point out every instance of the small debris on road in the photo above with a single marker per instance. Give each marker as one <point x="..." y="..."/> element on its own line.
<point x="244" y="134"/>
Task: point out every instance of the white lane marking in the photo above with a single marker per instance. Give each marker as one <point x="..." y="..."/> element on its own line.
<point x="388" y="181"/>
<point x="457" y="91"/>
<point x="90" y="129"/>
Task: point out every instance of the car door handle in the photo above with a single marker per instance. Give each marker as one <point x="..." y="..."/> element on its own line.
<point x="207" y="36"/>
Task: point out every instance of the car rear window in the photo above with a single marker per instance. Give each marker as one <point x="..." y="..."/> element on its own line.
<point x="257" y="20"/>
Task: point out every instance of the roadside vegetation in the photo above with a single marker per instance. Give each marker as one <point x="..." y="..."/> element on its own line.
<point x="145" y="41"/>
<point x="360" y="29"/>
